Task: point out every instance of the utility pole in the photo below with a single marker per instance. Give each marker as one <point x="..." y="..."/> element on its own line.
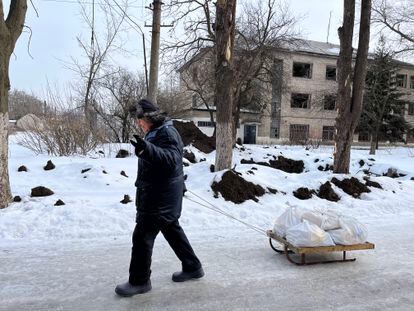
<point x="155" y="50"/>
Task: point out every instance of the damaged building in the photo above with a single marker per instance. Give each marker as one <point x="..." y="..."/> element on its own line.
<point x="299" y="106"/>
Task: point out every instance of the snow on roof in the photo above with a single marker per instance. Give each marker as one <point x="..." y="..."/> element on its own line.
<point x="310" y="46"/>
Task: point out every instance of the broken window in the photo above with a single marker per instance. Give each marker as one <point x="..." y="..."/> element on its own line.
<point x="329" y="102"/>
<point x="302" y="70"/>
<point x="298" y="132"/>
<point x="411" y="109"/>
<point x="299" y="100"/>
<point x="328" y="132"/>
<point x="402" y="80"/>
<point x="331" y="73"/>
<point x="411" y="82"/>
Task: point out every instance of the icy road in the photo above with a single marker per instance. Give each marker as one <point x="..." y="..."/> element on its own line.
<point x="242" y="273"/>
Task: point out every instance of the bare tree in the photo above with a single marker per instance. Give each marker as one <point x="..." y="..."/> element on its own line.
<point x="98" y="51"/>
<point x="398" y="18"/>
<point x="22" y="103"/>
<point x="350" y="97"/>
<point x="120" y="91"/>
<point x="262" y="27"/>
<point x="10" y="30"/>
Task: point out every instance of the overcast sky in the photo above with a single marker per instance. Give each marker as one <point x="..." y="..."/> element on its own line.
<point x="54" y="35"/>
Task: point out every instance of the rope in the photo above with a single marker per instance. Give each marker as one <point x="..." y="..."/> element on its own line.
<point x="220" y="211"/>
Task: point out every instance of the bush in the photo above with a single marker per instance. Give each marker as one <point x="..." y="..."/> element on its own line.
<point x="62" y="135"/>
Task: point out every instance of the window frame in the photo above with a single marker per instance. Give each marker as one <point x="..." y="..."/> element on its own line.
<point x="205" y="124"/>
<point x="404" y="81"/>
<point x="308" y="101"/>
<point x="326" y="72"/>
<point x="293" y="138"/>
<point x="309" y="73"/>
<point x="334" y="97"/>
<point x="330" y="130"/>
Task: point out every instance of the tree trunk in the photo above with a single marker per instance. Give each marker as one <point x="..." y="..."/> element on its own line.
<point x="372" y="145"/>
<point x="225" y="25"/>
<point x="10" y="30"/>
<point x="5" y="193"/>
<point x="350" y="106"/>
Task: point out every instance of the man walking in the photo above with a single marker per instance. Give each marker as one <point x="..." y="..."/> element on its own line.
<point x="159" y="197"/>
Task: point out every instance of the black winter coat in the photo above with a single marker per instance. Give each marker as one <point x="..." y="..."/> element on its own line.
<point x="160" y="174"/>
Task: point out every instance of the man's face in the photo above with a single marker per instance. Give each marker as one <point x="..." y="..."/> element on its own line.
<point x="143" y="124"/>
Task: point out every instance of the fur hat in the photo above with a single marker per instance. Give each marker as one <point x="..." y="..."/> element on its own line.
<point x="143" y="108"/>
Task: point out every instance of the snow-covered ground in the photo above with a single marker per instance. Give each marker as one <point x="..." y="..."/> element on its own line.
<point x="55" y="257"/>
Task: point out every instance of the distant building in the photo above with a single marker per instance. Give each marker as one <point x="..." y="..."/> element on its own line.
<point x="303" y="106"/>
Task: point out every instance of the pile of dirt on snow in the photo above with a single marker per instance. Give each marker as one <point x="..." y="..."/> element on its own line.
<point x="189" y="156"/>
<point x="280" y="163"/>
<point x="41" y="192"/>
<point x="191" y="134"/>
<point x="303" y="193"/>
<point x="234" y="188"/>
<point x="327" y="167"/>
<point x="351" y="186"/>
<point x="49" y="166"/>
<point x="326" y="192"/>
<point x="371" y="183"/>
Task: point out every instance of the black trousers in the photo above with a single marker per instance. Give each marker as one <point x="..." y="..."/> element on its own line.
<point x="146" y="230"/>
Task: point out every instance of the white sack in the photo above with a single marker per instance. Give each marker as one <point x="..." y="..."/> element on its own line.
<point x="351" y="232"/>
<point x="326" y="219"/>
<point x="307" y="234"/>
<point x="289" y="218"/>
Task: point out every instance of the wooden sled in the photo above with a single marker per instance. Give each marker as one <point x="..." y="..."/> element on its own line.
<point x="290" y="249"/>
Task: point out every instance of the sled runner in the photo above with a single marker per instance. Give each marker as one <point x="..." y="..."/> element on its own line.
<point x="290" y="249"/>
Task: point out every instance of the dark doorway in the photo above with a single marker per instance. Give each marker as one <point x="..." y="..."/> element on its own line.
<point x="249" y="134"/>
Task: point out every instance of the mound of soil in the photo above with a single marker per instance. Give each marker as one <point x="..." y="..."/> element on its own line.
<point x="280" y="163"/>
<point x="59" y="203"/>
<point x="326" y="168"/>
<point x="22" y="169"/>
<point x="49" y="166"/>
<point x="41" y="192"/>
<point x="126" y="199"/>
<point x="17" y="198"/>
<point x="191" y="134"/>
<point x="271" y="190"/>
<point x="303" y="193"/>
<point x="235" y="189"/>
<point x="189" y="156"/>
<point x="351" y="186"/>
<point x="122" y="153"/>
<point x="326" y="192"/>
<point x="371" y="183"/>
<point x="287" y="165"/>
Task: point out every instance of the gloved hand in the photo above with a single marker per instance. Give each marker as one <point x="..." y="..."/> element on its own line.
<point x="139" y="144"/>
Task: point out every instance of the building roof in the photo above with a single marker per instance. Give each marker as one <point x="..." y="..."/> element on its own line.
<point x="301" y="46"/>
<point x="313" y="47"/>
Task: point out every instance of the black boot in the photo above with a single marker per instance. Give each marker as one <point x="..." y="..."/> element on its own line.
<point x="128" y="290"/>
<point x="183" y="276"/>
